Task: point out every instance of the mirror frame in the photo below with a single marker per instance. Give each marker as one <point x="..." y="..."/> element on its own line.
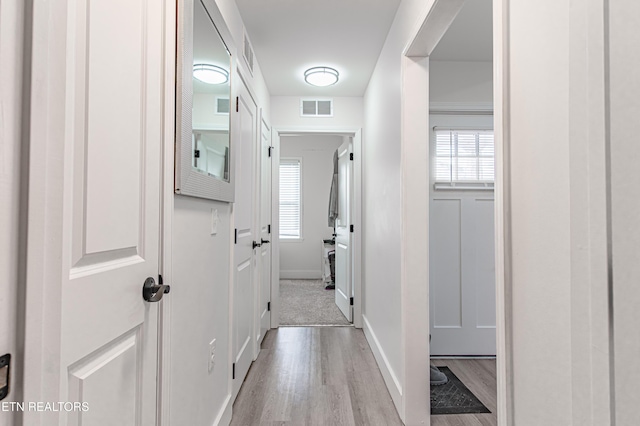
<point x="188" y="181"/>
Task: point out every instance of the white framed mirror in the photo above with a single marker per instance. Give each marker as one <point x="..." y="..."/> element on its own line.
<point x="204" y="165"/>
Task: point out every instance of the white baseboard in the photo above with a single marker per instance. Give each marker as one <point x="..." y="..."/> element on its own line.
<point x="295" y="274"/>
<point x="225" y="413"/>
<point x="390" y="378"/>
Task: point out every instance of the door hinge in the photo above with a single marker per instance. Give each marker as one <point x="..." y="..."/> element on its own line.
<point x="270" y="148"/>
<point x="5" y="370"/>
<point x="235" y="238"/>
<point x="351" y="156"/>
<point x="233" y="371"/>
<point x="237" y="104"/>
<point x="196" y="153"/>
<point x="350" y="228"/>
<point x="269" y="229"/>
<point x="269" y="306"/>
<point x="351" y="301"/>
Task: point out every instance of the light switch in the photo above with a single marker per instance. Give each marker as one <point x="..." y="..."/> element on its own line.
<point x="214" y="221"/>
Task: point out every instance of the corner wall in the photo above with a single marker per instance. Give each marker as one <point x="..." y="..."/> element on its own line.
<point x="382" y="308"/>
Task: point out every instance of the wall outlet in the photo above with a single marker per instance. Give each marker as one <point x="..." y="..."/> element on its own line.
<point x="212" y="355"/>
<point x="214" y="221"/>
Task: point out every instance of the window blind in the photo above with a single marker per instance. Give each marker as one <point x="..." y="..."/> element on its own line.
<point x="290" y="198"/>
<point x="464" y="156"/>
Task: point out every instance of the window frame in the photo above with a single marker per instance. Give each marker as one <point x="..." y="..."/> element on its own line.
<point x="300" y="238"/>
<point x="455" y="184"/>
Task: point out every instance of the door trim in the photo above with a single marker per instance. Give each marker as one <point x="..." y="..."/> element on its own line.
<point x="415" y="301"/>
<point x="356" y="133"/>
<point x="166" y="216"/>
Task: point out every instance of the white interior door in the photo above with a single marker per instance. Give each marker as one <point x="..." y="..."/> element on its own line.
<point x="343" y="273"/>
<point x="244" y="255"/>
<point x="264" y="299"/>
<point x="111" y="211"/>
<point x="462" y="281"/>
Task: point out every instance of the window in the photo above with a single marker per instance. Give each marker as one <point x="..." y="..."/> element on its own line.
<point x="290" y="198"/>
<point x="464" y="156"/>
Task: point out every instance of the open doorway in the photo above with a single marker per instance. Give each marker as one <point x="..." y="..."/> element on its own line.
<point x="316" y="189"/>
<point x="307" y="231"/>
<point x="462" y="279"/>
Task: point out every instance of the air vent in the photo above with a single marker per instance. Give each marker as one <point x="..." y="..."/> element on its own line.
<point x="247" y="52"/>
<point x="316" y="107"/>
<point x="222" y="105"/>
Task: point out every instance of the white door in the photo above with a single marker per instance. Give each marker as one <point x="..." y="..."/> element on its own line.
<point x="462" y="289"/>
<point x="245" y="236"/>
<point x="111" y="211"/>
<point x="343" y="276"/>
<point x="264" y="298"/>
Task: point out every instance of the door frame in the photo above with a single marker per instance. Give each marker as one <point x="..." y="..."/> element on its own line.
<point x="432" y="25"/>
<point x="44" y="124"/>
<point x="356" y="133"/>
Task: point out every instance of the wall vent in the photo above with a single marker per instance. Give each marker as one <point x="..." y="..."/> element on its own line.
<point x="247" y="51"/>
<point x="222" y="105"/>
<point x="316" y="107"/>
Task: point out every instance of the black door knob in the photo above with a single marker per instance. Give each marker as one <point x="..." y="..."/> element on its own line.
<point x="151" y="292"/>
<point x="265" y="241"/>
<point x="256" y="244"/>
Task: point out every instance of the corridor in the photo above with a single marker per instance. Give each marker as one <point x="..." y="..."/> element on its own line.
<point x="314" y="376"/>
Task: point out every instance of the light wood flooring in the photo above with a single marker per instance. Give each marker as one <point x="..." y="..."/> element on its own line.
<point x="479" y="375"/>
<point x="327" y="376"/>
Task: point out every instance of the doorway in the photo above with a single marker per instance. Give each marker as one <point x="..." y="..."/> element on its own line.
<point x="417" y="94"/>
<point x="462" y="281"/>
<point x="316" y="253"/>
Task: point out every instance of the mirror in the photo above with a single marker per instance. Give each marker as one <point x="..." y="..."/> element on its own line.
<point x="211" y="94"/>
<point x="204" y="149"/>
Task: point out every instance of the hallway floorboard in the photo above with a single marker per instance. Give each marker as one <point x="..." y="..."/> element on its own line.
<point x="314" y="376"/>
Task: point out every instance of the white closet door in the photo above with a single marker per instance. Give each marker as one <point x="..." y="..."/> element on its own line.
<point x="343" y="275"/>
<point x="245" y="252"/>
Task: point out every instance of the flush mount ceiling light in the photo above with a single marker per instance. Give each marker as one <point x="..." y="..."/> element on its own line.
<point x="321" y="76"/>
<point x="210" y="74"/>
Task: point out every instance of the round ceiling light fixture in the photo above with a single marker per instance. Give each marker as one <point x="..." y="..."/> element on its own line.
<point x="210" y="74"/>
<point x="321" y="76"/>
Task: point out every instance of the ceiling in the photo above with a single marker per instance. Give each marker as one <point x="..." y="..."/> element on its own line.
<point x="469" y="38"/>
<point x="290" y="36"/>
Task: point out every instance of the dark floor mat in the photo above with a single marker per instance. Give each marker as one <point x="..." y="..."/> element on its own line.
<point x="454" y="397"/>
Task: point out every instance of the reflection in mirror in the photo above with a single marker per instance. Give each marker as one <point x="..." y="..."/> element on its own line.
<point x="211" y="94"/>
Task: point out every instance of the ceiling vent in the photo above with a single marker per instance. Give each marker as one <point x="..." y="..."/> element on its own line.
<point x="316" y="107"/>
<point x="247" y="51"/>
<point x="222" y="105"/>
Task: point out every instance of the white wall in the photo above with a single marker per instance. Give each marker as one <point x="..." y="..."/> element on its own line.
<point x="301" y="259"/>
<point x="556" y="153"/>
<point x="201" y="276"/>
<point x="460" y="82"/>
<point x="382" y="198"/>
<point x="347" y="113"/>
<point x="11" y="168"/>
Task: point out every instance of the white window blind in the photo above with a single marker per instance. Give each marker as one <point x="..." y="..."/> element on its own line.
<point x="290" y="198"/>
<point x="464" y="156"/>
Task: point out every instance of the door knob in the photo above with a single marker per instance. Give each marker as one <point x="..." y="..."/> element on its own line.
<point x="152" y="292"/>
<point x="265" y="241"/>
<point x="256" y="244"/>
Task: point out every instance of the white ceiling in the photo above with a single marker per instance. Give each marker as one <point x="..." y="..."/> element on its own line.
<point x="469" y="38"/>
<point x="290" y="36"/>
